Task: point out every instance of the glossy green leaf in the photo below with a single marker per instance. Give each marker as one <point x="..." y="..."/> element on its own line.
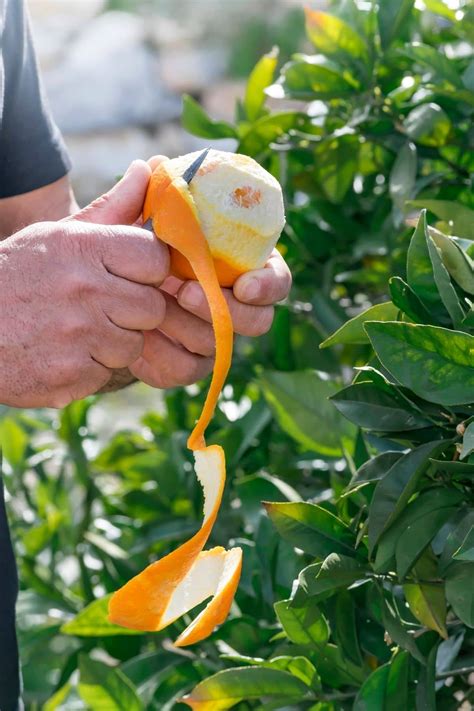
<point x="457" y="262"/>
<point x="196" y="121"/>
<point x="335" y="165"/>
<point x="337" y="571"/>
<point x="353" y="333"/>
<point x="391" y="15"/>
<point x="300" y="667"/>
<point x="260" y="77"/>
<point x="394" y="491"/>
<point x="93" y="621"/>
<point x="422" y="527"/>
<point x="398" y="630"/>
<point x="437" y="62"/>
<point x="467" y="441"/>
<point x="423" y="516"/>
<point x="346" y="627"/>
<point x="313" y="77"/>
<point x="303" y="623"/>
<point x="226" y="688"/>
<point x="445" y="288"/>
<point x="427" y="601"/>
<point x="407" y="301"/>
<point x="461" y="527"/>
<point x="104" y="688"/>
<point x="460" y="217"/>
<point x="446" y="376"/>
<point x="371" y="695"/>
<point x="460" y="591"/>
<point x="375" y="469"/>
<point x="299" y="401"/>
<point x="378" y="407"/>
<point x="420" y="275"/>
<point x="13" y="442"/>
<point x="403" y="173"/>
<point x="397" y="690"/>
<point x="334" y="37"/>
<point x="311" y="528"/>
<point x="466" y="549"/>
<point x="428" y="125"/>
<point x="426" y="689"/>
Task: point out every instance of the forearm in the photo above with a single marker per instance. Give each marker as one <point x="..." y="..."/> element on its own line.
<point x="49" y="203"/>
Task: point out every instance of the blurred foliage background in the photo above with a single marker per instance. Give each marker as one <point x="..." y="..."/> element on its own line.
<point x="365" y="117"/>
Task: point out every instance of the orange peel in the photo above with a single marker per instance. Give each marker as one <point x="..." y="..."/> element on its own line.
<point x="186" y="577"/>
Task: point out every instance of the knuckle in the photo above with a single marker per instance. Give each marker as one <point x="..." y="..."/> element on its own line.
<point x="261" y="323"/>
<point x="80" y="284"/>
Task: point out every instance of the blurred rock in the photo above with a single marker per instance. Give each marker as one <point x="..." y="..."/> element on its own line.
<point x="55" y="22"/>
<point x="191" y="69"/>
<point x="109" y="78"/>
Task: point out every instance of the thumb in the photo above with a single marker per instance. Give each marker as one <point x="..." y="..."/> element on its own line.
<point x="122" y="205"/>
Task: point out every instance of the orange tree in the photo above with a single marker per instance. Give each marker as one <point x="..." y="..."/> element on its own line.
<point x="357" y="587"/>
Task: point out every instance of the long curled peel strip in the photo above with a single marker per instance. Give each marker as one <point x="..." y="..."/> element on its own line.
<point x="172" y="586"/>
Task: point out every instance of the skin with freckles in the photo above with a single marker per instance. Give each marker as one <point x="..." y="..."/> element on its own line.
<point x="87" y="305"/>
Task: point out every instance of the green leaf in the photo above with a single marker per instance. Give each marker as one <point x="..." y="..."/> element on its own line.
<point x="391" y="15"/>
<point x="334" y="166"/>
<point x="104" y="688"/>
<point x="374" y="469"/>
<point x="226" y="688"/>
<point x="56" y="701"/>
<point x="446" y="376"/>
<point x="446" y="290"/>
<point x="457" y="262"/>
<point x="334" y="37"/>
<point x="396" y="692"/>
<point x="93" y="621"/>
<point x="300" y="667"/>
<point x="460" y="591"/>
<point x="424" y="518"/>
<point x="353" y="333"/>
<point x="313" y="77"/>
<point x="467" y="441"/>
<point x="371" y="695"/>
<point x="311" y="528"/>
<point x="438" y="7"/>
<point x="437" y="62"/>
<point x="403" y="174"/>
<point x="407" y="301"/>
<point x="336" y="670"/>
<point x="427" y="602"/>
<point x="299" y="401"/>
<point x="196" y="121"/>
<point x="394" y="491"/>
<point x="260" y="77"/>
<point x="337" y="571"/>
<point x="420" y="274"/>
<point x="428" y="125"/>
<point x="398" y="631"/>
<point x="460" y="217"/>
<point x="455" y="539"/>
<point x="378" y="407"/>
<point x="426" y="689"/>
<point x="466" y="549"/>
<point x="13" y="442"/>
<point x="257" y="138"/>
<point x="303" y="623"/>
<point x="346" y="627"/>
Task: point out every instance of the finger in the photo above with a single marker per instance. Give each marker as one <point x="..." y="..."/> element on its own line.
<point x="164" y="364"/>
<point x="188" y="330"/>
<point x="133" y="306"/>
<point x="265" y="286"/>
<point x="247" y="320"/>
<point x="127" y="252"/>
<point x="155" y="161"/>
<point x="122" y="204"/>
<point x="118" y="347"/>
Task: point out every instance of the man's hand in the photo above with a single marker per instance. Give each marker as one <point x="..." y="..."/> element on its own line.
<point x="75" y="299"/>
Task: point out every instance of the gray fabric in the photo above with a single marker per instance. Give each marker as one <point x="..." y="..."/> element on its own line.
<point x="32" y="152"/>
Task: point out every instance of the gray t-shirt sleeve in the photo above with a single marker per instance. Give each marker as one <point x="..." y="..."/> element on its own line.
<point x="32" y="152"/>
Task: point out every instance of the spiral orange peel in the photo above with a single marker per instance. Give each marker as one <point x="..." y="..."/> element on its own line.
<point x="186" y="577"/>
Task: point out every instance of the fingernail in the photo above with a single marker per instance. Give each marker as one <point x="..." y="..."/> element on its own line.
<point x="192" y="295"/>
<point x="249" y="289"/>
